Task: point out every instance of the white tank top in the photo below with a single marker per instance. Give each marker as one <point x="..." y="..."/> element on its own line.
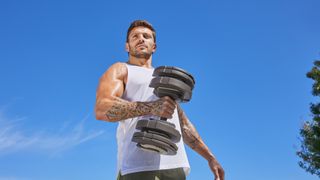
<point x="131" y="158"/>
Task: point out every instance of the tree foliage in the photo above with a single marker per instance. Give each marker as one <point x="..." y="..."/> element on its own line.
<point x="310" y="132"/>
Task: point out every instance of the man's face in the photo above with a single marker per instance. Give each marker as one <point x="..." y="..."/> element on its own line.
<point x="140" y="43"/>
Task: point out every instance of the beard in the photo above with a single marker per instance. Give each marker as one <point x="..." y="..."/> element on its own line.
<point x="139" y="54"/>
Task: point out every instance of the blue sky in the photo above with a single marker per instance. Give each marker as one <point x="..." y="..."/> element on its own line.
<point x="249" y="59"/>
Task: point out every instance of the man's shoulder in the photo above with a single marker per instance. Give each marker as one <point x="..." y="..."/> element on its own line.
<point x="118" y="69"/>
<point x="118" y="65"/>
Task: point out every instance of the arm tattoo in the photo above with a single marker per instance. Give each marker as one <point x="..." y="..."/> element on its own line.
<point x="122" y="109"/>
<point x="189" y="133"/>
<point x="190" y="138"/>
<point x="119" y="110"/>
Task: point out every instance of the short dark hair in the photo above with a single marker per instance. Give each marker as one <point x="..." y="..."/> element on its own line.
<point x="142" y="23"/>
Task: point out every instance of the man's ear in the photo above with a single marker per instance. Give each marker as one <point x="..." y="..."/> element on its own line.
<point x="154" y="47"/>
<point x="127" y="47"/>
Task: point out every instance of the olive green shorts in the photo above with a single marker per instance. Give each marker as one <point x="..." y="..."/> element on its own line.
<point x="166" y="174"/>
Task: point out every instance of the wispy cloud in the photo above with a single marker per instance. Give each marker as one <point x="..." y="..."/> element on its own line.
<point x="12" y="178"/>
<point x="14" y="138"/>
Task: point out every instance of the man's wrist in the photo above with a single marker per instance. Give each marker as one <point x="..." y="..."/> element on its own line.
<point x="210" y="157"/>
<point x="145" y="108"/>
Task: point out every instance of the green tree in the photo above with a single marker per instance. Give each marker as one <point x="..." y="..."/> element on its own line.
<point x="310" y="132"/>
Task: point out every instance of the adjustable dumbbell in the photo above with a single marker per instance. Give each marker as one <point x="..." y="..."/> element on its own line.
<point x="159" y="135"/>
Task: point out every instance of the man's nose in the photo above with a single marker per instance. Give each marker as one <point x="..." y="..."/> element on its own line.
<point x="141" y="39"/>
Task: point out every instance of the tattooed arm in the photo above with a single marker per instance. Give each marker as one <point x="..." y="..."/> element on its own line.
<point x="194" y="141"/>
<point x="111" y="107"/>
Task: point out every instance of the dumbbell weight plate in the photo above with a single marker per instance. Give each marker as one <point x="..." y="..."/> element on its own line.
<point x="173" y="86"/>
<point x="178" y="73"/>
<point x="161" y="127"/>
<point x="155" y="142"/>
<point x="152" y="148"/>
<point x="173" y="93"/>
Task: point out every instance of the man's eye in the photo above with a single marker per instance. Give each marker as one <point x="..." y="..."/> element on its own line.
<point x="134" y="36"/>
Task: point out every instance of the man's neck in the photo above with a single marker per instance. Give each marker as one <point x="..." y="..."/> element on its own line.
<point x="147" y="63"/>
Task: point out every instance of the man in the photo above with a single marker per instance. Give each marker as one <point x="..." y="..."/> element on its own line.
<point x="124" y="96"/>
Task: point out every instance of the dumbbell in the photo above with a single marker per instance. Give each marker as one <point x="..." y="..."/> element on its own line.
<point x="159" y="135"/>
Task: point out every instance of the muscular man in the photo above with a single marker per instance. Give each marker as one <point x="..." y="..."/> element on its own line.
<point x="124" y="96"/>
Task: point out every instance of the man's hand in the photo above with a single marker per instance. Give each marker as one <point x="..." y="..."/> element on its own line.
<point x="164" y="107"/>
<point x="216" y="169"/>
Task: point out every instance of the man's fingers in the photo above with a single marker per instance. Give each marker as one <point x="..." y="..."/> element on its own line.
<point x="169" y="104"/>
<point x="170" y="101"/>
<point x="167" y="107"/>
<point x="221" y="173"/>
<point x="216" y="174"/>
<point x="222" y="177"/>
<point x="166" y="113"/>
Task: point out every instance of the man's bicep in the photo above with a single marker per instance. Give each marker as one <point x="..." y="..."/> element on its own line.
<point x="109" y="91"/>
<point x="111" y="84"/>
<point x="110" y="87"/>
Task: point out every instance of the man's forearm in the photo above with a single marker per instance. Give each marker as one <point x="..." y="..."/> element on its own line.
<point x="118" y="109"/>
<point x="122" y="109"/>
<point x="192" y="138"/>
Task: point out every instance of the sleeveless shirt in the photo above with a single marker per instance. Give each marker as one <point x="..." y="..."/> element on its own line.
<point x="131" y="158"/>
